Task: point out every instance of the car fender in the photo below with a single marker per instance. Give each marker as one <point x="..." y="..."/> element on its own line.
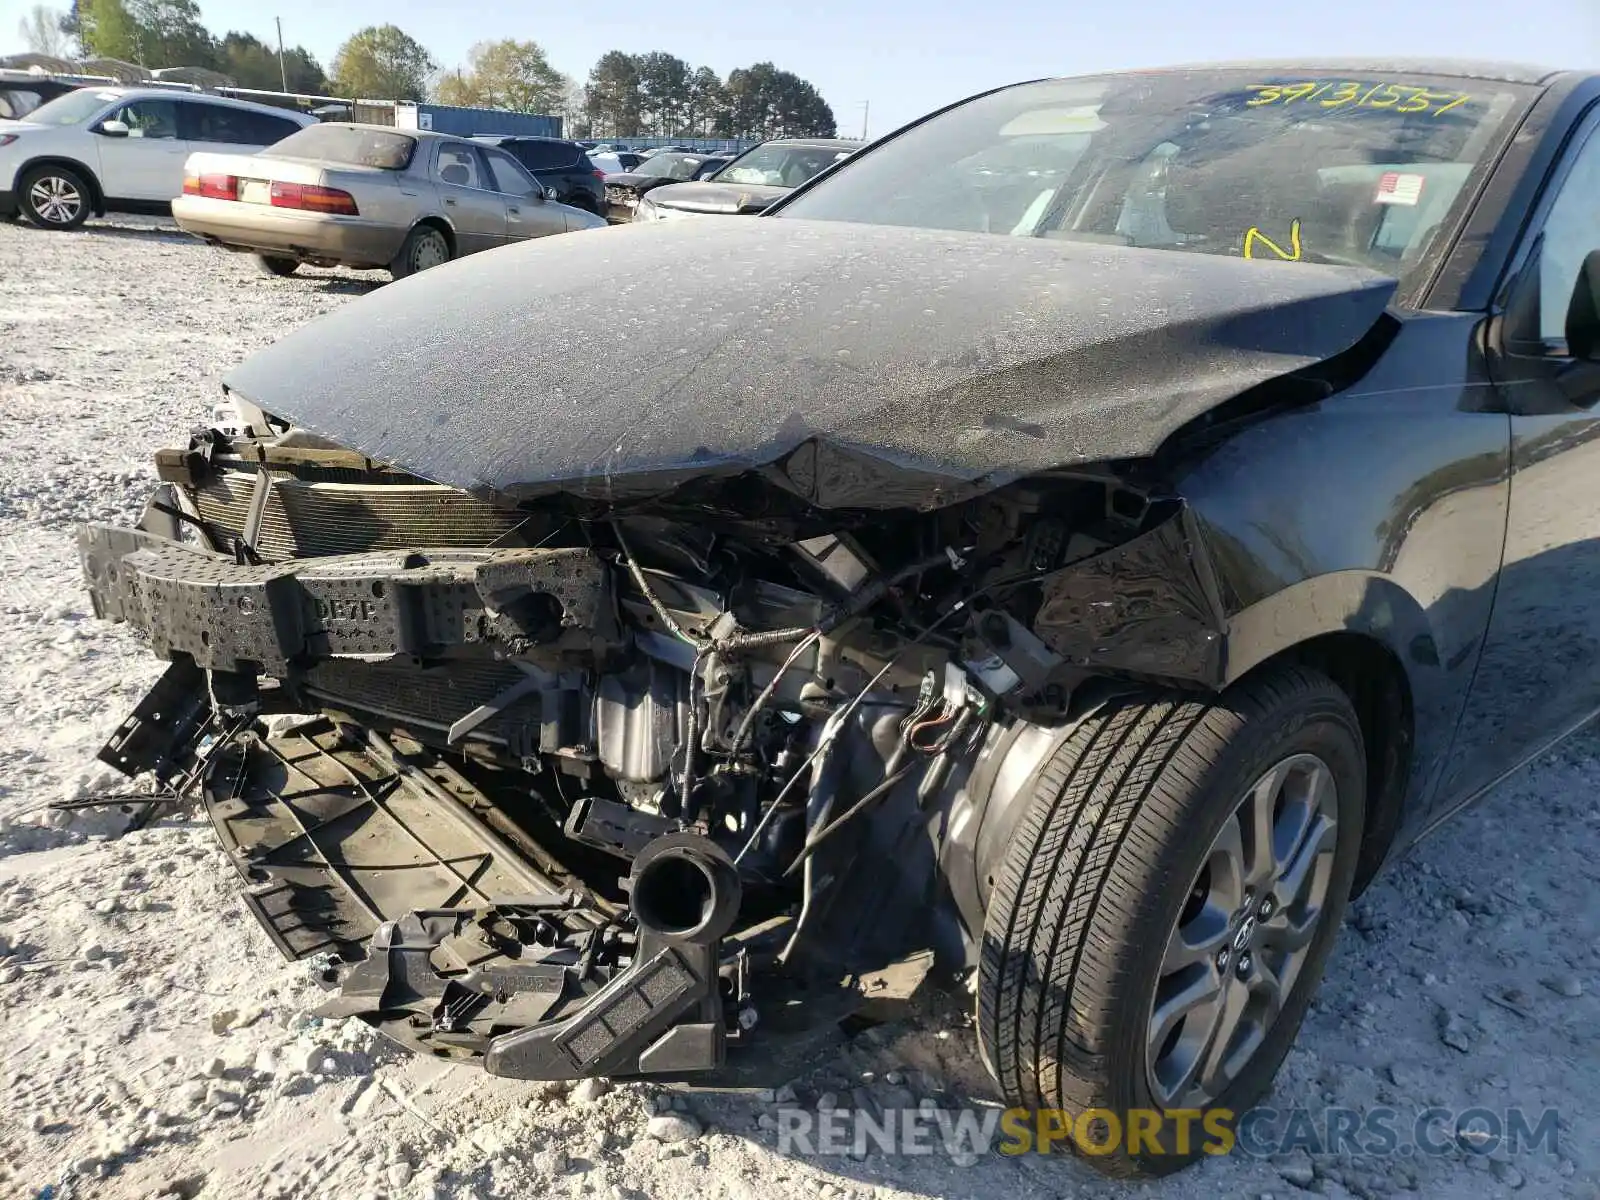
<point x="1361" y="602"/>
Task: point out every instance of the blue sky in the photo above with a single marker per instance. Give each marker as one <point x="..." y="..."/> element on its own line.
<point x="909" y="56"/>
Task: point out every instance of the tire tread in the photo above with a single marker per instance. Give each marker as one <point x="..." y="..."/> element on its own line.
<point x="1106" y="808"/>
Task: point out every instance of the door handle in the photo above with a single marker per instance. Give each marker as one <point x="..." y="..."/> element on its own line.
<point x="513" y="212"/>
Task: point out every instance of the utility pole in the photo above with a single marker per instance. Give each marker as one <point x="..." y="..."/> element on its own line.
<point x="866" y="107"/>
<point x="283" y="71"/>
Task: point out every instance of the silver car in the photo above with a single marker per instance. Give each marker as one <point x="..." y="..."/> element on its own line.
<point x="367" y="196"/>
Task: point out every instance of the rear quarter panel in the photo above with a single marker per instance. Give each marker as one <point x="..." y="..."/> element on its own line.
<point x="381" y="196"/>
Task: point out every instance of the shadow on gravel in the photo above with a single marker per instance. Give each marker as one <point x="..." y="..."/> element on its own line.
<point x="336" y="285"/>
<point x="143" y="233"/>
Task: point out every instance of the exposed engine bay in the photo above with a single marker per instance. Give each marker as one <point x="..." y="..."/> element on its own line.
<point x="589" y="789"/>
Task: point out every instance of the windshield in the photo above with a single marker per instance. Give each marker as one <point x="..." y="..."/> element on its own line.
<point x="72" y="108"/>
<point x="1332" y="169"/>
<point x="670" y="166"/>
<point x="779" y="164"/>
<point x="349" y="145"/>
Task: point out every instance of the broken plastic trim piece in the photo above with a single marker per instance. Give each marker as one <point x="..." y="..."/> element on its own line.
<point x="544" y="989"/>
<point x="334" y="838"/>
<point x="163" y="729"/>
<point x="664" y="1013"/>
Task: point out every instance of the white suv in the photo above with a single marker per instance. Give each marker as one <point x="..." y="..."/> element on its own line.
<point x="115" y="149"/>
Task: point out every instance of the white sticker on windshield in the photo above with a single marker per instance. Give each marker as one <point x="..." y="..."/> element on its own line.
<point x="1399" y="187"/>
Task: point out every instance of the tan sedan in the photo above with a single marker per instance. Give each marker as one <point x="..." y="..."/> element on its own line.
<point x="367" y="196"/>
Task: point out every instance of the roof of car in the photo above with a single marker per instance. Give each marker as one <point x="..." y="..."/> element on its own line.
<point x="823" y="143"/>
<point x="1461" y="68"/>
<point x="502" y="138"/>
<point x="423" y="135"/>
<point x="169" y="93"/>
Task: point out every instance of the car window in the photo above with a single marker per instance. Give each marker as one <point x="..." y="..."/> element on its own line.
<point x="778" y="165"/>
<point x="544" y="156"/>
<point x="679" y="167"/>
<point x="509" y="177"/>
<point x="459" y="165"/>
<point x="354" y="145"/>
<point x="219" y="123"/>
<point x="1571" y="233"/>
<point x="16" y="101"/>
<point x="72" y="108"/>
<point x="264" y="130"/>
<point x="155" y="119"/>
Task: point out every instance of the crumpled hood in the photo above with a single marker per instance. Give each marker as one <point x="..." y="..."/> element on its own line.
<point x="708" y="197"/>
<point x="875" y="366"/>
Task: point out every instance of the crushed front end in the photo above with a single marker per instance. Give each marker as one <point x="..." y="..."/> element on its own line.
<point x="584" y="789"/>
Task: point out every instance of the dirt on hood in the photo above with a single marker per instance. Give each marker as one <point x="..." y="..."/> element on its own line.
<point x="913" y="367"/>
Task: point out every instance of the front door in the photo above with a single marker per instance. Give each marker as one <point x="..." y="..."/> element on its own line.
<point x="1539" y="675"/>
<point x="146" y="164"/>
<point x="474" y="209"/>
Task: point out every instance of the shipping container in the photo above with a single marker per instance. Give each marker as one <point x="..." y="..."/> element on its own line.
<point x="470" y="122"/>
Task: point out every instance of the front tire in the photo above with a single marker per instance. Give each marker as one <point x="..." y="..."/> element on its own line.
<point x="1161" y="917"/>
<point x="55" y="197"/>
<point x="271" y="264"/>
<point x="424" y="247"/>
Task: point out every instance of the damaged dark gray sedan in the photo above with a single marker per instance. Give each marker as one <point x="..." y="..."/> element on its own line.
<point x="1062" y="552"/>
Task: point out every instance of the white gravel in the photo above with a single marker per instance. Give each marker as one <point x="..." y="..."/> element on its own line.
<point x="155" y="1043"/>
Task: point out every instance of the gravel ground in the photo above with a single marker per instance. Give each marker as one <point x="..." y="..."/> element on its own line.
<point x="158" y="1046"/>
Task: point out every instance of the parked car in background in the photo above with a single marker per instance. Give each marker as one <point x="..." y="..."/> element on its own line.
<point x="615" y="163"/>
<point x="368" y="196"/>
<point x="99" y="150"/>
<point x="622" y="191"/>
<point x="750" y="182"/>
<point x="23" y="91"/>
<point x="562" y="166"/>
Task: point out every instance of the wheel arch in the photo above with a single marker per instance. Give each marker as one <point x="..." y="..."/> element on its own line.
<point x="1361" y="629"/>
<point x="1370" y="674"/>
<point x="97" y="193"/>
<point x="1373" y="638"/>
<point x="434" y="221"/>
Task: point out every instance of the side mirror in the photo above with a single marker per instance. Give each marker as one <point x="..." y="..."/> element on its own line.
<point x="548" y="193"/>
<point x="112" y="127"/>
<point x="1583" y="311"/>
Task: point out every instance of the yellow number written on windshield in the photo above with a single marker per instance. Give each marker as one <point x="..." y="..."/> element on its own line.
<point x="1331" y="94"/>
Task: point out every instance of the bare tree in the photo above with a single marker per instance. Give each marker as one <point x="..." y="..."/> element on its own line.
<point x="42" y="33"/>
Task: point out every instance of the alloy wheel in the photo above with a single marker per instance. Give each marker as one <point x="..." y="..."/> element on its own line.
<point x="1244" y="934"/>
<point x="55" y="199"/>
